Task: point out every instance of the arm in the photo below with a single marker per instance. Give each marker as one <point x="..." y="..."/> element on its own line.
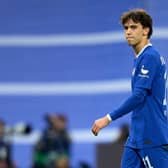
<point x="130" y="104"/>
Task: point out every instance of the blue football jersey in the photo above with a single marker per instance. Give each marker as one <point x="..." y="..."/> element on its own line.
<point x="149" y="122"/>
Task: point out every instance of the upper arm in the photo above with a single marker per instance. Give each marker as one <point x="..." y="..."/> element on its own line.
<point x="146" y="72"/>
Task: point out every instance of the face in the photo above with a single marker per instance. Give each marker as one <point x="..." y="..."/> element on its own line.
<point x="135" y="34"/>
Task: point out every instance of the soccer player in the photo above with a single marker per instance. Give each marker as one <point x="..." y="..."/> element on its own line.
<point x="146" y="146"/>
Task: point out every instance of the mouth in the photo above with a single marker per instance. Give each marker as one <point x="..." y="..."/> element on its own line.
<point x="129" y="38"/>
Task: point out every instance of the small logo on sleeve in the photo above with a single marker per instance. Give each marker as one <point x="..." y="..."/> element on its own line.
<point x="143" y="70"/>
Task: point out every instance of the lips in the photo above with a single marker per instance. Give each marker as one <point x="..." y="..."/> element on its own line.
<point x="129" y="38"/>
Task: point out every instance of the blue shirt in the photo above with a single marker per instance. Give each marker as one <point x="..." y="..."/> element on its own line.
<point x="149" y="122"/>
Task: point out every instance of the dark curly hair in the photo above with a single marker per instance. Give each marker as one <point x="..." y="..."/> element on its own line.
<point x="138" y="16"/>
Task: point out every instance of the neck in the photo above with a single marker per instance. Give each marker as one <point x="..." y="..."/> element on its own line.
<point x="137" y="48"/>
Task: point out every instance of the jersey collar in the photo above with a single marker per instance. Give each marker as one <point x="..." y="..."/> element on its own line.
<point x="143" y="50"/>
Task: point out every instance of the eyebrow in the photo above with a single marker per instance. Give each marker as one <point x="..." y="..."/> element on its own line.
<point x="132" y="26"/>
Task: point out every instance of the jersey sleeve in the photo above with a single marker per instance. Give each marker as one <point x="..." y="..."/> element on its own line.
<point x="130" y="104"/>
<point x="146" y="72"/>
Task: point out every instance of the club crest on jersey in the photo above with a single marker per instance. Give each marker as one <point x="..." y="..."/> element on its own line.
<point x="144" y="71"/>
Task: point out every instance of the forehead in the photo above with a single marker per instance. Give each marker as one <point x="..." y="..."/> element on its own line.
<point x="131" y="22"/>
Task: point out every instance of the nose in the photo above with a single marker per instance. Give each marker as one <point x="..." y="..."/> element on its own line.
<point x="128" y="31"/>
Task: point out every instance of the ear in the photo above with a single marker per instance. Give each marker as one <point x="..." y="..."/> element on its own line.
<point x="146" y="31"/>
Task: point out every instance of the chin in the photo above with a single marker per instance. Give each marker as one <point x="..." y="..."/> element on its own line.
<point x="130" y="43"/>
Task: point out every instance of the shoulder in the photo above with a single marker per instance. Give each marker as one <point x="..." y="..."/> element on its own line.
<point x="151" y="55"/>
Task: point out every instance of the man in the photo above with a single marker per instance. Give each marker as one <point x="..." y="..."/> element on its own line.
<point x="146" y="146"/>
<point x="53" y="149"/>
<point x="5" y="148"/>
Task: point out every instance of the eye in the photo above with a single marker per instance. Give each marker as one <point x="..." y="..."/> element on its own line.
<point x="126" y="27"/>
<point x="133" y="26"/>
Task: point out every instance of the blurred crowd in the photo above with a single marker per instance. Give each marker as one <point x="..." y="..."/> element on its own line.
<point x="54" y="146"/>
<point x="52" y="149"/>
<point x="5" y="148"/>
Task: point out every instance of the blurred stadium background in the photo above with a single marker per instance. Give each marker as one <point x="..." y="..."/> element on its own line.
<point x="68" y="57"/>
